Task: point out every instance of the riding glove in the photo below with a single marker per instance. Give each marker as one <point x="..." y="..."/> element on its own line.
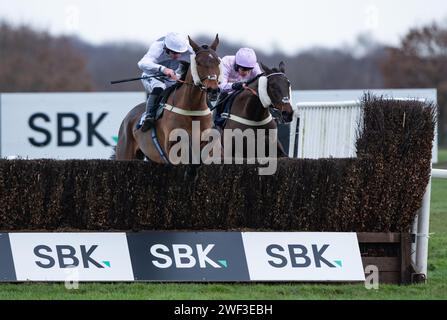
<point x="237" y="85"/>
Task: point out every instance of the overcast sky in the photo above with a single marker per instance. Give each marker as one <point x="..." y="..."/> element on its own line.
<point x="287" y="25"/>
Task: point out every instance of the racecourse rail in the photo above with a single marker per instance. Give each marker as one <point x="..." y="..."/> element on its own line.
<point x="421" y="226"/>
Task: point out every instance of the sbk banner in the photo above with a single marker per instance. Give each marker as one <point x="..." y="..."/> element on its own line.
<point x="7" y="272"/>
<point x="71" y="256"/>
<point x="303" y="256"/>
<point x="181" y="256"/>
<point x="188" y="256"/>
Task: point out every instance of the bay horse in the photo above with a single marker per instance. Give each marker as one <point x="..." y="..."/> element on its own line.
<point x="270" y="90"/>
<point x="186" y="104"/>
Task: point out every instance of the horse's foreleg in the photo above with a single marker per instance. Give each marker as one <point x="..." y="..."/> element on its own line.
<point x="126" y="151"/>
<point x="280" y="151"/>
<point x="126" y="148"/>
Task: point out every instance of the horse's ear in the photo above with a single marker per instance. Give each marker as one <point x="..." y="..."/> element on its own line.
<point x="193" y="45"/>
<point x="215" y="43"/>
<point x="282" y="67"/>
<point x="265" y="68"/>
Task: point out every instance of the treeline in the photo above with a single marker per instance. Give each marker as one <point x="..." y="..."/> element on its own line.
<point x="35" y="61"/>
<point x="312" y="69"/>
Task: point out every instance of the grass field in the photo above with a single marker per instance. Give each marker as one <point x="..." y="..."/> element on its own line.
<point x="436" y="287"/>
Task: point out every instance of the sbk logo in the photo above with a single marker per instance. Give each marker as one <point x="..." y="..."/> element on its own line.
<point x="184" y="256"/>
<point x="67" y="257"/>
<point x="299" y="256"/>
<point x="62" y="128"/>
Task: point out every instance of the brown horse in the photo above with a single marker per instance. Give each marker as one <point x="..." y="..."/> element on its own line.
<point x="251" y="108"/>
<point x="185" y="105"/>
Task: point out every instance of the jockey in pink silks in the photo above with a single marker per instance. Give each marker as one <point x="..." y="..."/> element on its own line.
<point x="237" y="70"/>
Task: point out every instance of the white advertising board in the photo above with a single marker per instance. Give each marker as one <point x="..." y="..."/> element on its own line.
<point x="63" y="125"/>
<point x="71" y="257"/>
<point x="303" y="256"/>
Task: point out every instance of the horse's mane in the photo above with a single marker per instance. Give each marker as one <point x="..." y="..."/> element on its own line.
<point x="185" y="66"/>
<point x="274" y="70"/>
<point x="255" y="78"/>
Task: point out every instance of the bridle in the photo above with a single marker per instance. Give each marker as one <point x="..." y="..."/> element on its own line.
<point x="266" y="103"/>
<point x="198" y="81"/>
<point x="265" y="99"/>
<point x="263" y="94"/>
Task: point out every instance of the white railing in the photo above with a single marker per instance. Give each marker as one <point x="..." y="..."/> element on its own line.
<point x="421" y="227"/>
<point x="326" y="129"/>
<point x="330" y="129"/>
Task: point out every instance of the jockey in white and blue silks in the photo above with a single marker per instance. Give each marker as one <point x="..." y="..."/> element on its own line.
<point x="237" y="70"/>
<point x="163" y="58"/>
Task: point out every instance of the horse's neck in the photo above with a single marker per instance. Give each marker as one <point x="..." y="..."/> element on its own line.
<point x="190" y="96"/>
<point x="252" y="108"/>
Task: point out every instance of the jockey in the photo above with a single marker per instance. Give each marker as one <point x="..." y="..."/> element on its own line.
<point x="237" y="70"/>
<point x="164" y="57"/>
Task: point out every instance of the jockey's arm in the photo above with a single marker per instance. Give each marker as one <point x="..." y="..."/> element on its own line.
<point x="224" y="85"/>
<point x="148" y="64"/>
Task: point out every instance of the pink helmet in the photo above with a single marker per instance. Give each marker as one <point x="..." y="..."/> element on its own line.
<point x="246" y="57"/>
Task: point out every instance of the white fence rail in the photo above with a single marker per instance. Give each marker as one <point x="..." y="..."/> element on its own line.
<point x="329" y="129"/>
<point x="326" y="129"/>
<point x="421" y="226"/>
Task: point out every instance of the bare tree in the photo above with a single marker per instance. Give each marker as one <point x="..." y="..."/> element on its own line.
<point x="34" y="61"/>
<point x="421" y="62"/>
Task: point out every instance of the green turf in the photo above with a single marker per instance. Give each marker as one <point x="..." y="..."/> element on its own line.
<point x="442" y="159"/>
<point x="442" y="155"/>
<point x="436" y="288"/>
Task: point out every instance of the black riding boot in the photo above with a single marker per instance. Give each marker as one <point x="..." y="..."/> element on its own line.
<point x="149" y="120"/>
<point x="220" y="104"/>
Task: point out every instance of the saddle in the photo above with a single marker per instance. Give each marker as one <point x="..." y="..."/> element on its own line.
<point x="223" y="108"/>
<point x="163" y="98"/>
<point x="159" y="103"/>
